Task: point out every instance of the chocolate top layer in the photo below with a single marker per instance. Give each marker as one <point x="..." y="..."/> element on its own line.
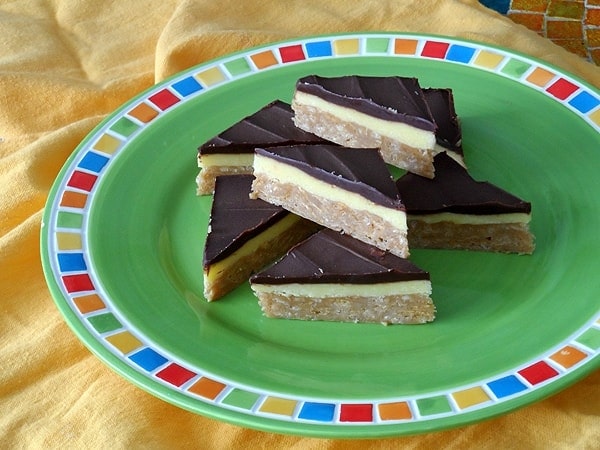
<point x="271" y="125"/>
<point x="396" y="99"/>
<point x="332" y="257"/>
<point x="359" y="170"/>
<point x="454" y="190"/>
<point x="441" y="104"/>
<point x="235" y="218"/>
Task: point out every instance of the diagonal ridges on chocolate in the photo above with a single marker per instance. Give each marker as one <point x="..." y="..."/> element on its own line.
<point x="271" y="125"/>
<point x="332" y="257"/>
<point x="235" y="218"/>
<point x="454" y="190"/>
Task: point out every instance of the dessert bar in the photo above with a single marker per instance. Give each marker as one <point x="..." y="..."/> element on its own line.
<point x="244" y="235"/>
<point x="389" y="113"/>
<point x="346" y="189"/>
<point x="454" y="211"/>
<point x="334" y="277"/>
<point x="232" y="150"/>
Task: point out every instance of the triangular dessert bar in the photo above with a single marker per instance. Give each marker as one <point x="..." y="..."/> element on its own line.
<point x="346" y="189"/>
<point x="244" y="235"/>
<point x="332" y="276"/>
<point x="389" y="113"/>
<point x="232" y="151"/>
<point x="454" y="211"/>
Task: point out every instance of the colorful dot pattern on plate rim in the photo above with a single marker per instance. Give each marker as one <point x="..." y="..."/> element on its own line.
<point x="84" y="294"/>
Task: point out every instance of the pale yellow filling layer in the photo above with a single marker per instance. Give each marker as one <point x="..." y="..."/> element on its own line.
<point x="347" y="290"/>
<point x="401" y="132"/>
<point x="215" y="270"/>
<point x="455" y="156"/>
<point x="274" y="169"/>
<point x="473" y="219"/>
<point x="224" y="159"/>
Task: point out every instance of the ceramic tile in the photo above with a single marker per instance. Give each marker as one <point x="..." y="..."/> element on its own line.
<point x="593" y="37"/>
<point x="530" y="5"/>
<point x="564" y="29"/>
<point x="571" y="24"/>
<point x="592" y="17"/>
<point x="566" y="9"/>
<point x="534" y="22"/>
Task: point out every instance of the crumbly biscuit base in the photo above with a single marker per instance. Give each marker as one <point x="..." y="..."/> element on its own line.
<point x="360" y="224"/>
<point x="503" y="238"/>
<point x="351" y="134"/>
<point x="207" y="176"/>
<point x="266" y="253"/>
<point x="393" y="309"/>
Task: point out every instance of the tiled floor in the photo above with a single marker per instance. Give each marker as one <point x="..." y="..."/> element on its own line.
<point x="572" y="24"/>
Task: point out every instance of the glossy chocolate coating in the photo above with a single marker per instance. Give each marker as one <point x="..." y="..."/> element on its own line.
<point x="454" y="190"/>
<point x="332" y="257"/>
<point x="441" y="104"/>
<point x="359" y="170"/>
<point x="235" y="218"/>
<point x="269" y="126"/>
<point x="396" y="99"/>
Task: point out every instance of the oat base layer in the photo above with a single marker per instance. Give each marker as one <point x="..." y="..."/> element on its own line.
<point x="350" y="134"/>
<point x="360" y="224"/>
<point x="394" y="309"/>
<point x="503" y="238"/>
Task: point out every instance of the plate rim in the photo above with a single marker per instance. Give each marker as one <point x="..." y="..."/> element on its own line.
<point x="273" y="421"/>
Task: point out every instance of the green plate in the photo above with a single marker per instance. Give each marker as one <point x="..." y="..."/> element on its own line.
<point x="123" y="237"/>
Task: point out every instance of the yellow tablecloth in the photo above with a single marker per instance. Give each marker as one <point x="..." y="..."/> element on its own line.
<point x="63" y="67"/>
